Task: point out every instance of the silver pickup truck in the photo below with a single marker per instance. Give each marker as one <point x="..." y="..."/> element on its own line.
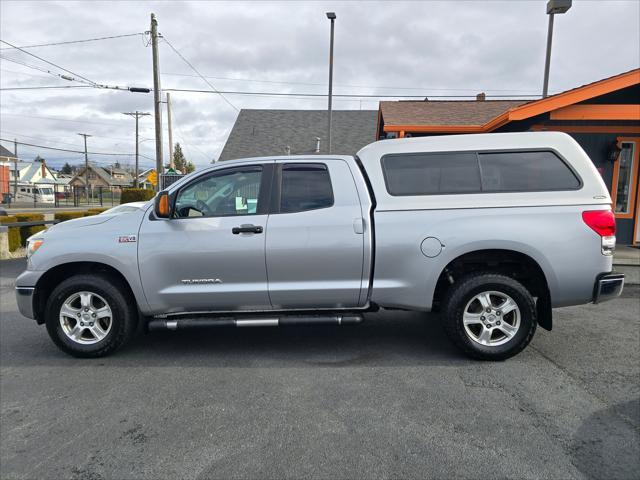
<point x="491" y="230"/>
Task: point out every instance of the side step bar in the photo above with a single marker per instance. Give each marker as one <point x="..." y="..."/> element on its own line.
<point x="184" y="323"/>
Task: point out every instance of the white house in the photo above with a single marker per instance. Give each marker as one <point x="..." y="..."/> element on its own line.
<point x="29" y="172"/>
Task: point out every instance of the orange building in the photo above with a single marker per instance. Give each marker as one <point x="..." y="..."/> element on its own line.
<point x="603" y="117"/>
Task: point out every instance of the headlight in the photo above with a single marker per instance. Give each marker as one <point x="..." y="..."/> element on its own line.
<point x="33" y="244"/>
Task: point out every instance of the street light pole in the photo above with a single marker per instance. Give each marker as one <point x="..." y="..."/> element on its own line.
<point x="331" y="16"/>
<point x="157" y="97"/>
<point x="86" y="165"/>
<point x="553" y="7"/>
<point x="137" y="115"/>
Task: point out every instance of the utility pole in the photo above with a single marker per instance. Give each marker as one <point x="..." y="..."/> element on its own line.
<point x="171" y="164"/>
<point x="15" y="179"/>
<point x="331" y="16"/>
<point x="86" y="165"/>
<point x="157" y="99"/>
<point x="137" y="115"/>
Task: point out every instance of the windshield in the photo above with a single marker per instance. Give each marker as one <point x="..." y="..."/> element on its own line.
<point x="45" y="191"/>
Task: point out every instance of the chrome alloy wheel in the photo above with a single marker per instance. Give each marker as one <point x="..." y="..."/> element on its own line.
<point x="491" y="318"/>
<point x="86" y="318"/>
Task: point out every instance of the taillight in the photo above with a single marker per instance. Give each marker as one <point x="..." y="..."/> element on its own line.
<point x="603" y="222"/>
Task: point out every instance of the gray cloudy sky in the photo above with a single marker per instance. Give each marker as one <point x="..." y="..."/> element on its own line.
<point x="392" y="48"/>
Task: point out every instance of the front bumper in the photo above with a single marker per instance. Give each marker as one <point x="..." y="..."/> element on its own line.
<point x="24" y="298"/>
<point x="608" y="286"/>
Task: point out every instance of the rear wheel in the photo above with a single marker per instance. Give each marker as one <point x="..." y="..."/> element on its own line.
<point x="90" y="316"/>
<point x="489" y="316"/>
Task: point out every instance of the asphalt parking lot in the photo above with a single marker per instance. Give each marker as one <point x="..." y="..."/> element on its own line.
<point x="388" y="398"/>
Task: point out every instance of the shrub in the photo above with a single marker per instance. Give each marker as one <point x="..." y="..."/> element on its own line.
<point x="14" y="233"/>
<point x="64" y="216"/>
<point x="96" y="211"/>
<point x="136" y="195"/>
<point x="26" y="232"/>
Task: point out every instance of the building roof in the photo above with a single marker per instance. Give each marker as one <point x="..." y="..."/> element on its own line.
<point x="34" y="168"/>
<point x="269" y="132"/>
<point x="444" y="112"/>
<point x="478" y="117"/>
<point x="106" y="176"/>
<point x="6" y="153"/>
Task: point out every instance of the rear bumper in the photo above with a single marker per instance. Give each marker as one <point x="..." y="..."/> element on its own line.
<point x="24" y="299"/>
<point x="608" y="286"/>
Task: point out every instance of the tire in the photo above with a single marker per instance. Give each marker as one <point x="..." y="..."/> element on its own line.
<point x="486" y="332"/>
<point x="103" y="330"/>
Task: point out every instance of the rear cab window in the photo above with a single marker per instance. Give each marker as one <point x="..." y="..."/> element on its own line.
<point x="476" y="172"/>
<point x="305" y="186"/>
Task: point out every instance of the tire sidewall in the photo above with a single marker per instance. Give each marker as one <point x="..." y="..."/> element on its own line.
<point x="482" y="283"/>
<point x="120" y="321"/>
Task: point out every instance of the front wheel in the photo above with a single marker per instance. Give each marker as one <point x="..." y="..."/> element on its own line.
<point x="90" y="316"/>
<point x="489" y="316"/>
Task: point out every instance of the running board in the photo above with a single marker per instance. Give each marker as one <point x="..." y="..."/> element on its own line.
<point x="200" y="322"/>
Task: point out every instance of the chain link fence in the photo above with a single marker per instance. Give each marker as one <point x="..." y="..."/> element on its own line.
<point x="61" y="196"/>
<point x="167" y="179"/>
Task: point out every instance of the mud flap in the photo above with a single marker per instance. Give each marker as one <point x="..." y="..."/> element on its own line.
<point x="543" y="311"/>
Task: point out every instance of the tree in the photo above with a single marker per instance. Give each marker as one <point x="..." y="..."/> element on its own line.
<point x="179" y="160"/>
<point x="189" y="167"/>
<point x="66" y="169"/>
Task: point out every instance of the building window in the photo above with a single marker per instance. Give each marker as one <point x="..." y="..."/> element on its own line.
<point x="623" y="180"/>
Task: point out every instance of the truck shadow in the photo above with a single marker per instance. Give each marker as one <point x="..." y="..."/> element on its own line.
<point x="383" y="339"/>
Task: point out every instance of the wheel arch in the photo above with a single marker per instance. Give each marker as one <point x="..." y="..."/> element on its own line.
<point x="53" y="276"/>
<point x="513" y="263"/>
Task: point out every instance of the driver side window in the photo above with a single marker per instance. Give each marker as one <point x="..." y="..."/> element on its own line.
<point x="226" y="193"/>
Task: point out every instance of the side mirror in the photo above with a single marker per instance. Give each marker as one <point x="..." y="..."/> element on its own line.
<point x="161" y="206"/>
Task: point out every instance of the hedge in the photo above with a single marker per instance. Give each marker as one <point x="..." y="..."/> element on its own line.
<point x="95" y="211"/>
<point x="26" y="232"/>
<point x="14" y="233"/>
<point x="136" y="195"/>
<point x="64" y="216"/>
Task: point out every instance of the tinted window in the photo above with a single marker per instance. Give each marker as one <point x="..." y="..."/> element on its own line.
<point x="433" y="173"/>
<point x="525" y="171"/>
<point x="229" y="192"/>
<point x="305" y="187"/>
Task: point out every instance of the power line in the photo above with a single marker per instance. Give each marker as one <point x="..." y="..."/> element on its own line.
<point x="300" y="96"/>
<point x="46" y="87"/>
<point x="58" y="119"/>
<point x="200" y="75"/>
<point x="23" y="73"/>
<point x="345" y="95"/>
<point x="47" y="139"/>
<point x="349" y="85"/>
<point x="76" y="41"/>
<point x="50" y="63"/>
<point x="65" y="77"/>
<point x="67" y="150"/>
<point x="33" y="67"/>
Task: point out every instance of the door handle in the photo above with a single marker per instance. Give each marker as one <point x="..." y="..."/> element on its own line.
<point x="247" y="229"/>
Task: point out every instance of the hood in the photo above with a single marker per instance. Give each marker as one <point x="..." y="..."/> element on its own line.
<point x="82" y="222"/>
